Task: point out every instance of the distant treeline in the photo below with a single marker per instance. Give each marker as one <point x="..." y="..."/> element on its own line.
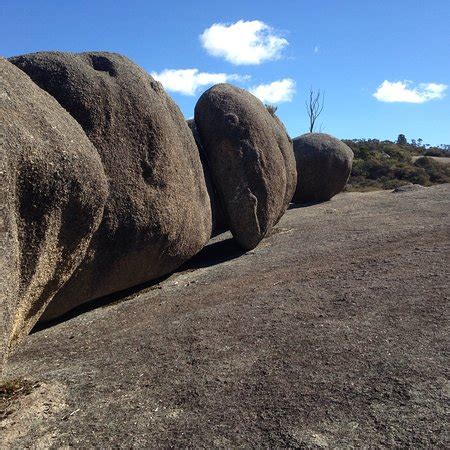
<point x="387" y="165"/>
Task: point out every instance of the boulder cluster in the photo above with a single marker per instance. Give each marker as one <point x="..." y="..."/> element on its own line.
<point x="106" y="186"/>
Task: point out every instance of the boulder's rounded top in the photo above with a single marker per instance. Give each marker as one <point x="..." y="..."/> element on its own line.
<point x="323" y="141"/>
<point x="323" y="167"/>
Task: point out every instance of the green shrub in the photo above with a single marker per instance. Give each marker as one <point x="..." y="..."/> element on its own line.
<point x="412" y="174"/>
<point x="437" y="152"/>
<point x="386" y="165"/>
<point x="436" y="171"/>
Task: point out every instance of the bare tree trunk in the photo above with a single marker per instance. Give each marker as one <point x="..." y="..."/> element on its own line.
<point x="314" y="107"/>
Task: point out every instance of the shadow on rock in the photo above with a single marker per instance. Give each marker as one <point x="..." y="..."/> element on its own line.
<point x="107" y="300"/>
<point x="306" y="205"/>
<point x="211" y="255"/>
<point x="215" y="253"/>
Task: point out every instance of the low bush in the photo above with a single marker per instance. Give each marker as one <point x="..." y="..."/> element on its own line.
<point x="436" y="171"/>
<point x="386" y="165"/>
<point x="437" y="152"/>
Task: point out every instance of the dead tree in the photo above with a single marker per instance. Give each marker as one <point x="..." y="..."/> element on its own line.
<point x="314" y="107"/>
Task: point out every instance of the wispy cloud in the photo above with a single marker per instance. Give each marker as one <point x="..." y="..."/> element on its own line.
<point x="316" y="49"/>
<point x="279" y="91"/>
<point x="189" y="81"/>
<point x="243" y="42"/>
<point x="406" y="92"/>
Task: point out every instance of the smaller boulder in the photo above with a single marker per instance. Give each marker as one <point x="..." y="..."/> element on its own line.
<point x="323" y="164"/>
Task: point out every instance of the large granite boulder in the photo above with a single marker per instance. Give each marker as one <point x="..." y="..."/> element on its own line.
<point x="158" y="212"/>
<point x="52" y="193"/>
<point x="248" y="155"/>
<point x="324" y="164"/>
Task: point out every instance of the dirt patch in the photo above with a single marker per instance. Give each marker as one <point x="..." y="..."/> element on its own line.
<point x="25" y="407"/>
<point x="10" y="392"/>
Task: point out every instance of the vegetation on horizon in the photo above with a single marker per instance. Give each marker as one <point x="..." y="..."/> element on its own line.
<point x="387" y="165"/>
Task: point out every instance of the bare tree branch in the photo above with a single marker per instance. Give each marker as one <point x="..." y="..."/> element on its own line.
<point x="314" y="107"/>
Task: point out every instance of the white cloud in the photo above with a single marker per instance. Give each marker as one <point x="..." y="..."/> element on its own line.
<point x="405" y="92"/>
<point x="316" y="49"/>
<point x="276" y="92"/>
<point x="243" y="42"/>
<point x="188" y="81"/>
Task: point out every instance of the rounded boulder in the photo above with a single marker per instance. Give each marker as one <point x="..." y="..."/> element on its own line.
<point x="324" y="164"/>
<point x="248" y="153"/>
<point x="158" y="213"/>
<point x="53" y="190"/>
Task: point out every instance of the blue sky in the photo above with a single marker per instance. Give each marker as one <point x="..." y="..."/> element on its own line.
<point x="351" y="49"/>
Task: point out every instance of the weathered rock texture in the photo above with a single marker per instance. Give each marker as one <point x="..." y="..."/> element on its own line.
<point x="158" y="212"/>
<point x="324" y="164"/>
<point x="248" y="154"/>
<point x="219" y="224"/>
<point x="52" y="193"/>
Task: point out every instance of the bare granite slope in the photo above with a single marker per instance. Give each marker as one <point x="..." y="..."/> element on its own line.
<point x="331" y="332"/>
